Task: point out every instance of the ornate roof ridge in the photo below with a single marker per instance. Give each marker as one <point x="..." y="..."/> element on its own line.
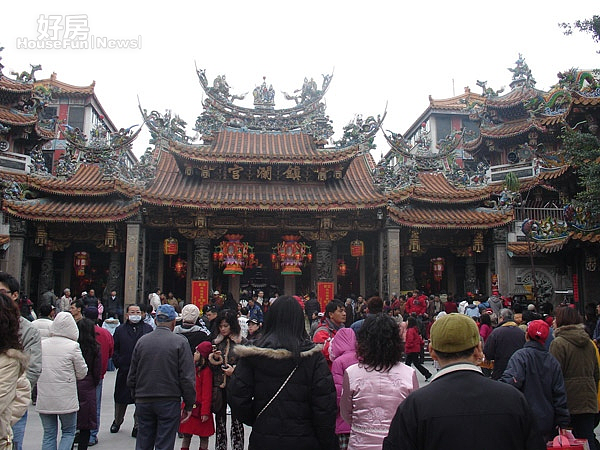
<point x="65" y="88"/>
<point x="448" y="217"/>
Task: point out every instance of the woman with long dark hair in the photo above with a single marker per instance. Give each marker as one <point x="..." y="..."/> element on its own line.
<point x="86" y="388"/>
<point x="282" y="386"/>
<point x="374" y="387"/>
<point x="575" y="352"/>
<point x="15" y="391"/>
<point x="223" y="362"/>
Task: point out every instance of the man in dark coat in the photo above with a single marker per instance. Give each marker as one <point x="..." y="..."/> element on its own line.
<point x="114" y="306"/>
<point x="446" y="414"/>
<point x="162" y="373"/>
<point x="506" y="339"/>
<point x="125" y="337"/>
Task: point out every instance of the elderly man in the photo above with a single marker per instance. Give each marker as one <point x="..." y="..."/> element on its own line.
<point x="506" y="339"/>
<point x="444" y="414"/>
<point x="125" y="338"/>
<point x="161" y="374"/>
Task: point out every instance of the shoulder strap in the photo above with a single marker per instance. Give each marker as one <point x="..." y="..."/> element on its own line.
<point x="277" y="393"/>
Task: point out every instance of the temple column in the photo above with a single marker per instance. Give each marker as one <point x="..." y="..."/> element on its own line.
<point x="501" y="260"/>
<point x="470" y="274"/>
<point x="114" y="274"/>
<point x="289" y="285"/>
<point x="408" y="274"/>
<point x="132" y="262"/>
<point x="324" y="260"/>
<point x="16" y="250"/>
<point x="390" y="261"/>
<point x="201" y="258"/>
<point x="46" y="279"/>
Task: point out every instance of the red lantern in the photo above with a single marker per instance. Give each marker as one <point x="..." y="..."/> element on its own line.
<point x="180" y="267"/>
<point x="438" y="268"/>
<point x="80" y="261"/>
<point x="170" y="246"/>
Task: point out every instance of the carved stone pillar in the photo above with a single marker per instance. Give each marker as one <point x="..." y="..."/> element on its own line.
<point x="393" y="262"/>
<point x="502" y="261"/>
<point x="114" y="275"/>
<point x="324" y="260"/>
<point x="46" y="280"/>
<point x="201" y="258"/>
<point x="470" y="274"/>
<point x="16" y="250"/>
<point x="408" y="274"/>
<point x="132" y="261"/>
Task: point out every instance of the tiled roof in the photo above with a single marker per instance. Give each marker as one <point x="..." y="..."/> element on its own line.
<point x="87" y="181"/>
<point x="4" y="239"/>
<point x="255" y="147"/>
<point x="435" y="188"/>
<point x="510" y="129"/>
<point x="449" y="218"/>
<point x="579" y="99"/>
<point x="10" y="85"/>
<point x="9" y="116"/>
<point x="354" y="191"/>
<point x="551" y="174"/>
<point x="64" y="88"/>
<point x="514" y="98"/>
<point x="69" y="211"/>
<point x="455" y="103"/>
<point x="537" y="247"/>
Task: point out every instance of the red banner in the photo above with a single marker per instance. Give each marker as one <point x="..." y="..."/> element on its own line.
<point x="324" y="293"/>
<point x="575" y="288"/>
<point x="199" y="293"/>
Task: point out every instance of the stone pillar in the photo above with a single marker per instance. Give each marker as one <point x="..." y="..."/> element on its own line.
<point x="408" y="274"/>
<point x="393" y="262"/>
<point x="324" y="260"/>
<point x="132" y="261"/>
<point x="16" y="249"/>
<point x="46" y="280"/>
<point x="470" y="274"/>
<point x="501" y="260"/>
<point x="114" y="275"/>
<point x="289" y="285"/>
<point x="201" y="265"/>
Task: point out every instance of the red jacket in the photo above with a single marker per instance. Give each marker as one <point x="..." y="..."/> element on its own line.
<point x="107" y="347"/>
<point x="414" y="341"/>
<point x="417" y="305"/>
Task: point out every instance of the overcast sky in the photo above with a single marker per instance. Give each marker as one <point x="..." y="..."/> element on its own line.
<point x="380" y="51"/>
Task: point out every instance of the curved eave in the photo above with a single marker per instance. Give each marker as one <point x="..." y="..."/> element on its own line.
<point x="582" y="100"/>
<point x="14" y="86"/>
<point x="66" y="89"/>
<point x="538" y="247"/>
<point x="435" y="188"/>
<point x="355" y="191"/>
<point x="262" y="148"/>
<point x="449" y="219"/>
<point x="514" y="98"/>
<point x="12" y="117"/>
<point x="52" y="210"/>
<point x="511" y="129"/>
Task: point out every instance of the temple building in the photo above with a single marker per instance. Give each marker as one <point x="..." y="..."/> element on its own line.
<point x="266" y="200"/>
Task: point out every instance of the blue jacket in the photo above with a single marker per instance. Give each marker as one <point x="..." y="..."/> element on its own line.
<point x="537" y="374"/>
<point x="255" y="312"/>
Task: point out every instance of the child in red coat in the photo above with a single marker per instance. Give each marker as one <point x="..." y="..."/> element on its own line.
<point x="413" y="345"/>
<point x="201" y="422"/>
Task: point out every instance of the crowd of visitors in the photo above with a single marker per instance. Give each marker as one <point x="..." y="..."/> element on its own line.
<point x="301" y="374"/>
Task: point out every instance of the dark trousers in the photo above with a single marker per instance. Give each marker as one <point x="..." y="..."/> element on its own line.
<point x="158" y="423"/>
<point x="583" y="428"/>
<point x="413" y="358"/>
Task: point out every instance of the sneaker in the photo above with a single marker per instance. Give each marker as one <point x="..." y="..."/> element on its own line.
<point x="114" y="428"/>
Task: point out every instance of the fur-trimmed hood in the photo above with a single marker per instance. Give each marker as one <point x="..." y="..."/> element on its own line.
<point x="19" y="356"/>
<point x="274" y="353"/>
<point x="234" y="337"/>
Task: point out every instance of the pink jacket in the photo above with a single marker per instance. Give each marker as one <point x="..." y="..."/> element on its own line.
<point x="370" y="399"/>
<point x="343" y="353"/>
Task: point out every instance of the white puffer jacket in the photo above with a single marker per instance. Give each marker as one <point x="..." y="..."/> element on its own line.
<point x="62" y="366"/>
<point x="15" y="393"/>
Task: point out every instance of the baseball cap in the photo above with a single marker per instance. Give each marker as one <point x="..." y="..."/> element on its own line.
<point x="454" y="333"/>
<point x="165" y="313"/>
<point x="538" y="330"/>
<point x="216" y="293"/>
<point x="254" y="321"/>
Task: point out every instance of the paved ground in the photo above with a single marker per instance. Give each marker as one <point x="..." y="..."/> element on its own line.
<point x="123" y="440"/>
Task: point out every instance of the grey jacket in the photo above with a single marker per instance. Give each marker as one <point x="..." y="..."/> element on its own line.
<point x="32" y="346"/>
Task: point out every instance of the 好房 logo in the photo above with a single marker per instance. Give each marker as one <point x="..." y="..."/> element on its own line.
<point x="56" y="32"/>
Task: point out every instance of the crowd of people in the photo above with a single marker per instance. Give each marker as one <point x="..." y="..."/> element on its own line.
<point x="301" y="376"/>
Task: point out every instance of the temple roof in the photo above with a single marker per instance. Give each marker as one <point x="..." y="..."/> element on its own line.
<point x="237" y="146"/>
<point x="64" y="88"/>
<point x="14" y="86"/>
<point x="72" y="211"/>
<point x="435" y="188"/>
<point x="449" y="218"/>
<point x="354" y="191"/>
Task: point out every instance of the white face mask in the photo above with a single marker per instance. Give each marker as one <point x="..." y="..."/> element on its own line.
<point x="135" y="319"/>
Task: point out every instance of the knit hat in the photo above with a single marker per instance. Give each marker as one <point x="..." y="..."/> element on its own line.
<point x="204" y="348"/>
<point x="454" y="333"/>
<point x="190" y="313"/>
<point x="165" y="313"/>
<point x="538" y="330"/>
<point x="531" y="307"/>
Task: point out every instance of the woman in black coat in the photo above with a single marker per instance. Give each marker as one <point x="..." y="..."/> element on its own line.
<point x="300" y="416"/>
<point x="86" y="388"/>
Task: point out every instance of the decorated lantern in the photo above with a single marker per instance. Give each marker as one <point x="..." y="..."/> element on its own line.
<point x="234" y="255"/>
<point x="414" y="242"/>
<point x="290" y="255"/>
<point x="357" y="248"/>
<point x="180" y="268"/>
<point x="437" y="265"/>
<point x="478" y="242"/>
<point x="170" y="246"/>
<point x="81" y="260"/>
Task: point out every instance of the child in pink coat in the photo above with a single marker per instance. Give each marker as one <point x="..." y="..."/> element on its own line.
<point x="343" y="354"/>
